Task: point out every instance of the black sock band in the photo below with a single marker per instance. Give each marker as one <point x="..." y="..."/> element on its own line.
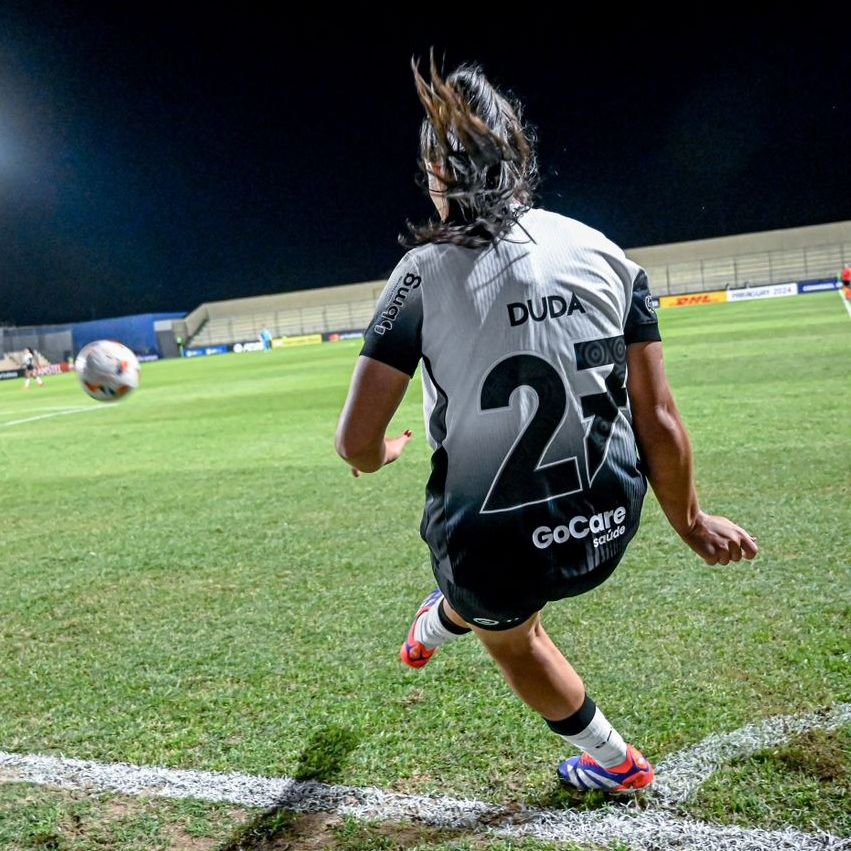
<point x="577" y="722"/>
<point x="448" y="624"/>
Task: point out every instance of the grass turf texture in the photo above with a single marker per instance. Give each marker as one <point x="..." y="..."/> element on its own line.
<point x="191" y="577"/>
<point x="48" y="820"/>
<point x="38" y="819"/>
<point x="805" y="783"/>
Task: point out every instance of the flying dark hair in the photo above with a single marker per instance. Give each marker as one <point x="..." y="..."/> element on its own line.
<point x="475" y="134"/>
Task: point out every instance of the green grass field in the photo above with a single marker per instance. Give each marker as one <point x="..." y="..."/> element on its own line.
<point x="191" y="578"/>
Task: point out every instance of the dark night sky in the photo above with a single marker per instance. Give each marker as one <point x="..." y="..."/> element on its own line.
<point x="152" y="160"/>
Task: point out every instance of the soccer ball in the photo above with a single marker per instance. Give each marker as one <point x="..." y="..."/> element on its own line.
<point x="108" y="371"/>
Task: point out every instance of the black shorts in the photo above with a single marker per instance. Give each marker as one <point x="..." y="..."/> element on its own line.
<point x="497" y="608"/>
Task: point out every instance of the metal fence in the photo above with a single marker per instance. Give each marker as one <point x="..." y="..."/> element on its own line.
<point x="769" y="267"/>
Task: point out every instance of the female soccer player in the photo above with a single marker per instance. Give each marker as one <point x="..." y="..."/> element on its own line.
<point x="543" y="378"/>
<point x="31" y="369"/>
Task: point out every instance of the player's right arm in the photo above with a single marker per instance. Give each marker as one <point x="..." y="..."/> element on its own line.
<point x="666" y="451"/>
<point x="391" y="351"/>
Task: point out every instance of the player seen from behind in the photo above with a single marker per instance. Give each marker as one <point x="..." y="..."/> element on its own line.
<point x="546" y="404"/>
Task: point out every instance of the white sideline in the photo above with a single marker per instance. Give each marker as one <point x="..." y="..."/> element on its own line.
<point x="39" y="409"/>
<point x="651" y="829"/>
<point x="60" y="413"/>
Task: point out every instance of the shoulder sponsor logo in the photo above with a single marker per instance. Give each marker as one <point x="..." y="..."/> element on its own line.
<point x="549" y="307"/>
<point x="650" y="303"/>
<point x="605" y="526"/>
<point x="391" y="311"/>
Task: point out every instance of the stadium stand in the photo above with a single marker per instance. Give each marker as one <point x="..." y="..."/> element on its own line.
<point x="346" y="307"/>
<point x="287" y="322"/>
<point x="770" y="257"/>
<point x="10" y="361"/>
<point x="779" y="256"/>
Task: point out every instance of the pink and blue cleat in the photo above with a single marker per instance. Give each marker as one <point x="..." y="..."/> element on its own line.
<point x="585" y="773"/>
<point x="414" y="653"/>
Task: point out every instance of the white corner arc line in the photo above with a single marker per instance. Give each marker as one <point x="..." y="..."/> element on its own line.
<point x="682" y="773"/>
<point x="657" y="831"/>
<point x="651" y="829"/>
<point x="845" y="301"/>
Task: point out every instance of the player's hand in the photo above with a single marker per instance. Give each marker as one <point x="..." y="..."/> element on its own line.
<point x="718" y="540"/>
<point x="393" y="448"/>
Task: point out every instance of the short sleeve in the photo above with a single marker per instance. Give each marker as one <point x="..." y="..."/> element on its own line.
<point x="394" y="335"/>
<point x="642" y="324"/>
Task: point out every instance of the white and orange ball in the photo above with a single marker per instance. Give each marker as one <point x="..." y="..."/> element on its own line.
<point x="108" y="370"/>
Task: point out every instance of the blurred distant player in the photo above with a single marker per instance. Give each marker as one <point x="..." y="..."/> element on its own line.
<point x="846" y="282"/>
<point x="31" y="369"/>
<point x="266" y="339"/>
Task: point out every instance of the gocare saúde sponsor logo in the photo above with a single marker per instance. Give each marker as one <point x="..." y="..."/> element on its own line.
<point x="605" y="527"/>
<point x="388" y="316"/>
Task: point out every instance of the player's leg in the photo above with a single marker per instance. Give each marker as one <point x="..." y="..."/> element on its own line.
<point x="535" y="668"/>
<point x="540" y="675"/>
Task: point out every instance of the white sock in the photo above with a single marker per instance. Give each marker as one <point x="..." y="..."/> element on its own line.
<point x="431" y="631"/>
<point x="27" y="383"/>
<point x="39" y="381"/>
<point x="597" y="738"/>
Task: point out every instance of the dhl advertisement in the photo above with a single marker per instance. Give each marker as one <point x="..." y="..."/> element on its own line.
<point x="691" y="299"/>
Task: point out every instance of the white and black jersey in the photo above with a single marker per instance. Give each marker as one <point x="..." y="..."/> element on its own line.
<point x="535" y="488"/>
<point x="29" y="361"/>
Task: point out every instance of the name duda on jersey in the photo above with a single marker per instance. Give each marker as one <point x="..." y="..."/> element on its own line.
<point x="551" y="307"/>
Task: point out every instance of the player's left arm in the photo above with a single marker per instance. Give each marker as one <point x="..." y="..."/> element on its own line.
<point x="664" y="442"/>
<point x="375" y="393"/>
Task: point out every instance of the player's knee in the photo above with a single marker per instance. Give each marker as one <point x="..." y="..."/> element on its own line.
<point x="515" y="644"/>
